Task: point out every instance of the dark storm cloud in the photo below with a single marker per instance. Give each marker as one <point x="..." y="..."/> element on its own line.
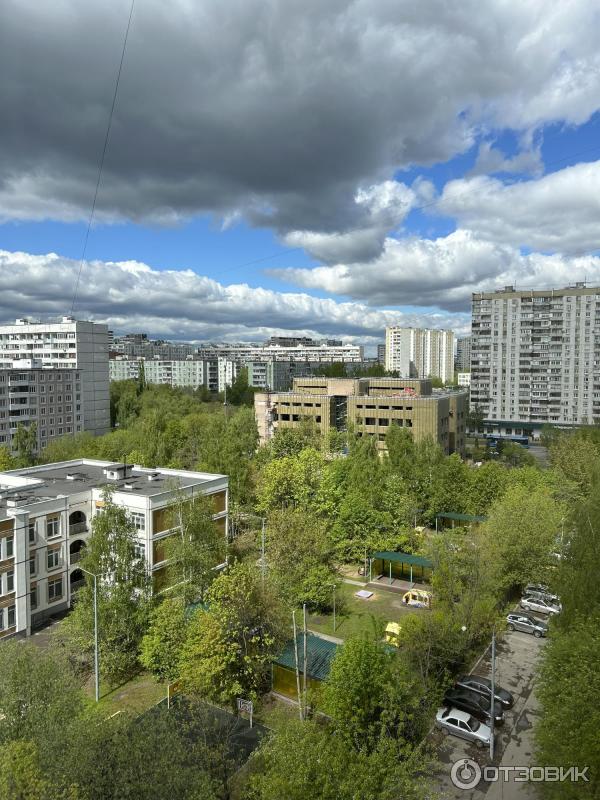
<point x="276" y="110"/>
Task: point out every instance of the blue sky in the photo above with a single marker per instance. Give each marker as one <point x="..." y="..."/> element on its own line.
<point x="342" y="199"/>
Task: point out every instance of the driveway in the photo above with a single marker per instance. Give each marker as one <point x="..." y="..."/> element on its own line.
<point x="517" y="657"/>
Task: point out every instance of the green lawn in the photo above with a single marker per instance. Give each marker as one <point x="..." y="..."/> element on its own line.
<point x="355" y="616"/>
<point x="137" y="695"/>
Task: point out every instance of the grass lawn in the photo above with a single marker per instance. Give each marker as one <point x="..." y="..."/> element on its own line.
<point x="354" y="616"/>
<point x="137" y="695"/>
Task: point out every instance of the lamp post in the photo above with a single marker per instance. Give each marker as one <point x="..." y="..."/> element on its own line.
<point x="492" y="712"/>
<point x="96" y="649"/>
<point x="334" y="586"/>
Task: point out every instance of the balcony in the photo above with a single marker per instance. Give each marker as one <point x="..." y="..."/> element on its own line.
<point x="78" y="527"/>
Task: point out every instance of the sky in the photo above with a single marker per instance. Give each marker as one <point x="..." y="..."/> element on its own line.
<point x="326" y="168"/>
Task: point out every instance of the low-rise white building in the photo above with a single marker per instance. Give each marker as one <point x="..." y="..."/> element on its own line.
<point x="46" y="515"/>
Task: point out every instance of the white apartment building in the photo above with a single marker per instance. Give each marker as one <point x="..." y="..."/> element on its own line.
<point x="195" y="373"/>
<point x="420" y="352"/>
<point x="535" y="358"/>
<point x="464" y="378"/>
<point x="347" y="353"/>
<point x="67" y="345"/>
<point x="46" y="516"/>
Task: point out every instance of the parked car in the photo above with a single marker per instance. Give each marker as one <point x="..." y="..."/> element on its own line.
<point x="484" y="687"/>
<point x="553" y="599"/>
<point x="532" y="588"/>
<point x="459" y="723"/>
<point x="527" y="624"/>
<point x="540" y="606"/>
<point x="474" y="704"/>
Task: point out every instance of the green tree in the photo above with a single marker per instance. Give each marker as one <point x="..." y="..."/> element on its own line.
<point x="304" y="759"/>
<point x="231" y="644"/>
<point x="161" y="646"/>
<point x="568" y="690"/>
<point x="22" y="778"/>
<point x="39" y="698"/>
<point x="6" y="459"/>
<point x="123" y="596"/>
<point x="25" y="443"/>
<point x="195" y="549"/>
<point x="525" y="523"/>
<point x="300" y="559"/>
<point x="141" y="379"/>
<point x="370" y="694"/>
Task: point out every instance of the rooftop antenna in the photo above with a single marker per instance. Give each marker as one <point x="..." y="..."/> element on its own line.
<point x="102" y="158"/>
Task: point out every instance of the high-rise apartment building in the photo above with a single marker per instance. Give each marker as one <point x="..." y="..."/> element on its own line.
<point x="381" y="354"/>
<point x="420" y="352"/>
<point x="463" y="354"/>
<point x="534" y="357"/>
<point x="46" y="515"/>
<point x="54" y="375"/>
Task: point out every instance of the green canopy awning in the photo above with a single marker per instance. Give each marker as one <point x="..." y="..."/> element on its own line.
<point x="319" y="655"/>
<point x="403" y="558"/>
<point x="459" y="517"/>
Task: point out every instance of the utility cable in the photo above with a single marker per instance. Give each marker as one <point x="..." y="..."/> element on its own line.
<point x="103" y="157"/>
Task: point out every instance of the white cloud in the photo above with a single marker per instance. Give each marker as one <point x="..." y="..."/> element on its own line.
<point x="556" y="213"/>
<point x="491" y="160"/>
<point x="442" y="272"/>
<point x="132" y="296"/>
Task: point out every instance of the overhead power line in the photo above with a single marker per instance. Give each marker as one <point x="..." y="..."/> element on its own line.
<point x="103" y="156"/>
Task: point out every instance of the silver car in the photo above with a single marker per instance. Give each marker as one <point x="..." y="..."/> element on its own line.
<point x="527" y="624"/>
<point x="453" y="721"/>
<point x="539" y="605"/>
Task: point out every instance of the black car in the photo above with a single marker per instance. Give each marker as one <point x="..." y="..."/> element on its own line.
<point x="473" y="703"/>
<point x="483" y="686"/>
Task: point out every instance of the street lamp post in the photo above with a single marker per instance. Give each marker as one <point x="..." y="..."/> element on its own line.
<point x="492" y="712"/>
<point x="96" y="649"/>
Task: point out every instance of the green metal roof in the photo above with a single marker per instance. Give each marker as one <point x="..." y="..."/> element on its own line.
<point x="404" y="558"/>
<point x="319" y="655"/>
<point x="459" y="517"/>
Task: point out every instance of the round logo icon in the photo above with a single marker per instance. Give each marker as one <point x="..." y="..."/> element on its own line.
<point x="465" y="774"/>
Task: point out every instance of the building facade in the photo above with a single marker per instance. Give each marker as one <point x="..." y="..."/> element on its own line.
<point x="78" y="352"/>
<point x="46" y="516"/>
<point x="463" y="354"/>
<point x="317" y="352"/>
<point x="369" y="406"/>
<point x="137" y="345"/>
<point x="420" y="352"/>
<point x="381" y="354"/>
<point x="534" y="358"/>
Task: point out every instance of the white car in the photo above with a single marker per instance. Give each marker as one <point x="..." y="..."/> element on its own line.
<point x="540" y="605"/>
<point x="458" y="723"/>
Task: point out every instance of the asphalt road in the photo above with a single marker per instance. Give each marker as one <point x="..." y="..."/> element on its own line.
<point x="517" y="656"/>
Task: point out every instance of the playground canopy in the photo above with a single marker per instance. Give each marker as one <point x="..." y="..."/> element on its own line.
<point x="403" y="558"/>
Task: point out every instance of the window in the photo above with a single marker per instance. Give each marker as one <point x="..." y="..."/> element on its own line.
<point x="8" y="617"/>
<point x="7" y="582"/>
<point x="53" y="557"/>
<point x="139" y="548"/>
<point x="55" y="589"/>
<point x="32" y="532"/>
<point x="33" y="564"/>
<point x="53" y="526"/>
<point x="139" y="520"/>
<point x="33" y="595"/>
<point x="9" y="546"/>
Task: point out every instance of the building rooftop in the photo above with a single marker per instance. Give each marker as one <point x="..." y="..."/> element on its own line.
<point x="23" y="487"/>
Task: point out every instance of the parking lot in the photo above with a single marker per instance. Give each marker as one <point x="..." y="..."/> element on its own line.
<point x="517" y="656"/>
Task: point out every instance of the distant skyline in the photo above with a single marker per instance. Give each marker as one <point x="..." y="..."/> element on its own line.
<point x="321" y="168"/>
